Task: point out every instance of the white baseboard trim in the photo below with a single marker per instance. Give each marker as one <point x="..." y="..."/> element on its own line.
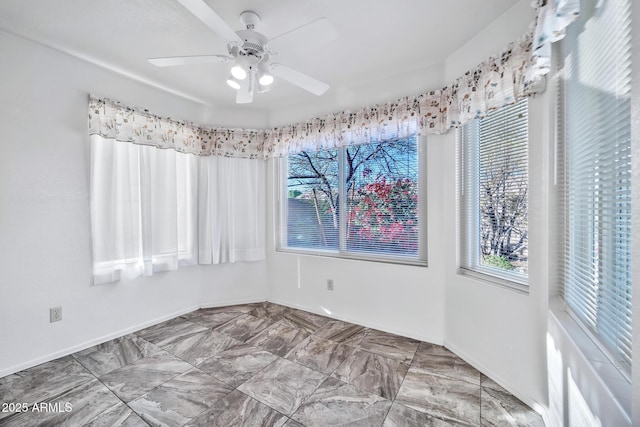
<point x="357" y="322"/>
<point x="533" y="404"/>
<point x="79" y="347"/>
<point x="233" y="302"/>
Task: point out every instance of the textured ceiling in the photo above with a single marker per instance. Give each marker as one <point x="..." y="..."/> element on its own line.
<point x="375" y="38"/>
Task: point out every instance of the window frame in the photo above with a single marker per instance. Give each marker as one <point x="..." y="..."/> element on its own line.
<point x="281" y="215"/>
<point x="469" y="230"/>
<point x="595" y="347"/>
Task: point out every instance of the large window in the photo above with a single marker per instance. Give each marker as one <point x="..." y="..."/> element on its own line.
<point x="596" y="124"/>
<point x="494" y="186"/>
<point x="361" y="201"/>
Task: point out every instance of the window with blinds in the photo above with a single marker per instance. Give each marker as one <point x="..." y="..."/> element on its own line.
<point x="493" y="195"/>
<point x="595" y="119"/>
<point x="359" y="201"/>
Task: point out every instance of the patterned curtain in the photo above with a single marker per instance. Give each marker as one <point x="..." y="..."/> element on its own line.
<point x="112" y="120"/>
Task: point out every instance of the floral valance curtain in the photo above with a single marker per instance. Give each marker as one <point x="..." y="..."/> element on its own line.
<point x="516" y="72"/>
<point x="112" y="120"/>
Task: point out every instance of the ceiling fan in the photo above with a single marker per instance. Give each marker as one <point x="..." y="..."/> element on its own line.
<point x="251" y="54"/>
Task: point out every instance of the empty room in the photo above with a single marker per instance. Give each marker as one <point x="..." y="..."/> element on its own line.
<point x="319" y="213"/>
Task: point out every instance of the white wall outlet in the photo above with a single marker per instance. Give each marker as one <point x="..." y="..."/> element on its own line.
<point x="329" y="284"/>
<point x="55" y="314"/>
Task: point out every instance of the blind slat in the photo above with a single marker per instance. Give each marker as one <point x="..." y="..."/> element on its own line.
<point x="494" y="226"/>
<point x="596" y="162"/>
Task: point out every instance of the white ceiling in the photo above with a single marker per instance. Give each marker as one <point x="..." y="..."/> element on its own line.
<point x="376" y="38"/>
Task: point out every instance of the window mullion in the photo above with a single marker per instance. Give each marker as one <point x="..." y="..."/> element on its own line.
<point x="342" y="201"/>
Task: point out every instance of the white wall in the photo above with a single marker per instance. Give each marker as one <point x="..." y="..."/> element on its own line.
<point x="45" y="245"/>
<point x="500" y="331"/>
<point x="406" y="300"/>
<point x="45" y="248"/>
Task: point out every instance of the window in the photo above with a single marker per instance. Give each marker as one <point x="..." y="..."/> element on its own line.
<point x="596" y="124"/>
<point x="360" y="201"/>
<point x="157" y="209"/>
<point x="143" y="209"/>
<point x="494" y="187"/>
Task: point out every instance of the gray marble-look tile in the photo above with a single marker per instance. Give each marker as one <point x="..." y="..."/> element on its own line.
<point x="197" y="347"/>
<point x="500" y="408"/>
<point x="211" y="319"/>
<point x="452" y="400"/>
<point x="180" y="399"/>
<point x="389" y="345"/>
<point x="308" y="322"/>
<point x="237" y="364"/>
<point x="401" y="416"/>
<point x="342" y="332"/>
<point x="283" y="385"/>
<point x="238" y="410"/>
<point x="440" y="361"/>
<point x="373" y="373"/>
<point x="292" y="423"/>
<point x="167" y="332"/>
<point x="237" y="308"/>
<point x="42" y="382"/>
<point x="244" y="327"/>
<point x="74" y="407"/>
<point x="269" y="310"/>
<point x="278" y="338"/>
<point x="335" y="403"/>
<point x="103" y="358"/>
<point x="487" y="382"/>
<point x="119" y="415"/>
<point x="132" y="381"/>
<point x="320" y="354"/>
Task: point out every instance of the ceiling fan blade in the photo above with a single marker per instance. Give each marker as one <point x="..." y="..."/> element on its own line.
<point x="299" y="79"/>
<point x="203" y="12"/>
<point x="245" y="93"/>
<point x="188" y="60"/>
<point x="315" y="33"/>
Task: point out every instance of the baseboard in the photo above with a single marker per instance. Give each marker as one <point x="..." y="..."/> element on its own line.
<point x="358" y="322"/>
<point x="70" y="350"/>
<point x="533" y="404"/>
<point x="234" y="302"/>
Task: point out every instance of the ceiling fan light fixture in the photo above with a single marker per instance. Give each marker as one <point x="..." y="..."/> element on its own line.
<point x="265" y="78"/>
<point x="233" y="82"/>
<point x="239" y="68"/>
<point x="262" y="88"/>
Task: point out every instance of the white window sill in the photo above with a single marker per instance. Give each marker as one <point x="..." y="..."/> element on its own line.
<point x="495" y="281"/>
<point x="354" y="257"/>
<point x="613" y="380"/>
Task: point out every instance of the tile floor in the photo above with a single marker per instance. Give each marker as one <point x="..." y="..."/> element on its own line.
<point x="259" y="365"/>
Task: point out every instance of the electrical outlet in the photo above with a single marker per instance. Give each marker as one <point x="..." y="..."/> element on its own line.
<point x="329" y="284"/>
<point x="55" y="314"/>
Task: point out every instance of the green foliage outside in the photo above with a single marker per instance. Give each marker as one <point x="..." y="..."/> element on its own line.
<point x="497" y="261"/>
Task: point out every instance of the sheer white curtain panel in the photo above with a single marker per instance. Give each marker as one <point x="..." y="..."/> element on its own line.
<point x="231" y="210"/>
<point x="143" y="209"/>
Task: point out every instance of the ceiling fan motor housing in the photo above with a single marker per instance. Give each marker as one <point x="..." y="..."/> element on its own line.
<point x="253" y="43"/>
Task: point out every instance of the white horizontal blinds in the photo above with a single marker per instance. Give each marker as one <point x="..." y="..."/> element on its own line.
<point x="381" y="188"/>
<point x="596" y="109"/>
<point x="495" y="195"/>
<point x="359" y="201"/>
<point x="312" y="200"/>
